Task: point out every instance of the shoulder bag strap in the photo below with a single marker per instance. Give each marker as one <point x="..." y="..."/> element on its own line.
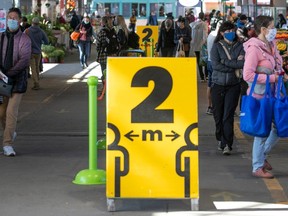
<point x="1" y="49"/>
<point x="226" y="51"/>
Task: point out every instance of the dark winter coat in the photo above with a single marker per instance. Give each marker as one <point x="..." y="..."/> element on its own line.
<point x="223" y="68"/>
<point x="21" y="59"/>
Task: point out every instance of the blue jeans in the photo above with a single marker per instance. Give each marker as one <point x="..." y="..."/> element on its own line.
<point x="209" y="70"/>
<point x="84" y="51"/>
<point x="261" y="147"/>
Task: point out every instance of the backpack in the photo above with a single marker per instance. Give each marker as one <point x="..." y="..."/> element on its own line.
<point x="133" y="40"/>
<point x="113" y="45"/>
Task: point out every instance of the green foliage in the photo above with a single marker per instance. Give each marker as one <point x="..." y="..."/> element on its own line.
<point x="59" y="53"/>
<point x="47" y="50"/>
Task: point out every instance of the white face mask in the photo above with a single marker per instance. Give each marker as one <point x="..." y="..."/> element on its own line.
<point x="271" y="34"/>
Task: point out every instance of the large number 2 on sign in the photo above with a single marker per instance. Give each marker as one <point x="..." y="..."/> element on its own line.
<point x="148" y="35"/>
<point x="146" y="112"/>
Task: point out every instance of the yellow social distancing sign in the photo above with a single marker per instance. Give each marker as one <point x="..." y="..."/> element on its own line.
<point x="152" y="132"/>
<point x="148" y="37"/>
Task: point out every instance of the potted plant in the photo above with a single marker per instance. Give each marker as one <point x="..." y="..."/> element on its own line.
<point x="59" y="54"/>
<point x="53" y="57"/>
<point x="46" y="52"/>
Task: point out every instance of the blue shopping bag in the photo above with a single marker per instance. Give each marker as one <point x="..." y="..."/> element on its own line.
<point x="281" y="109"/>
<point x="256" y="114"/>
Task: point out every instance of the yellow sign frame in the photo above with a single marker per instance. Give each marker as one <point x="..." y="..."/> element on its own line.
<point x="152" y="131"/>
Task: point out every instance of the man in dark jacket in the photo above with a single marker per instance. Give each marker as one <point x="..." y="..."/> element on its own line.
<point x="38" y="37"/>
<point x="15" y="52"/>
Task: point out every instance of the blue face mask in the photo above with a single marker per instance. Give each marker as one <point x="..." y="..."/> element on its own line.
<point x="12" y="24"/>
<point x="230" y="36"/>
<point x="86" y="22"/>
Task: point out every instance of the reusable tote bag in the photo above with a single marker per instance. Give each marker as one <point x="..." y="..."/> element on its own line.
<point x="180" y="50"/>
<point x="281" y="110"/>
<point x="256" y="114"/>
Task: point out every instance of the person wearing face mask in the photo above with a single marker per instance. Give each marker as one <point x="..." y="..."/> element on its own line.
<point x="227" y="56"/>
<point x="84" y="43"/>
<point x="263" y="58"/>
<point x="15" y="53"/>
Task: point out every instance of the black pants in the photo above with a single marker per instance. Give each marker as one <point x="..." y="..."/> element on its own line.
<point x="225" y="101"/>
<point x="200" y="68"/>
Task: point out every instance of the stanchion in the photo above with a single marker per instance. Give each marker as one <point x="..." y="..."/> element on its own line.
<point x="145" y="47"/>
<point x="92" y="175"/>
<point x="152" y="47"/>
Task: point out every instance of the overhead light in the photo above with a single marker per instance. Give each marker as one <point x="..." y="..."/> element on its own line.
<point x="188" y="3"/>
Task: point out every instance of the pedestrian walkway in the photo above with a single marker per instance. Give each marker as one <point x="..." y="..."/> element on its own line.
<point x="52" y="147"/>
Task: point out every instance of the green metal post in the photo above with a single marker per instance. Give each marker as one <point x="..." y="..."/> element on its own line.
<point x="92" y="175"/>
<point x="152" y="47"/>
<point x="92" y="83"/>
<point x="145" y="47"/>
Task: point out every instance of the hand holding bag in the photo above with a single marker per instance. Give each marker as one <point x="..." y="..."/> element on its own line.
<point x="180" y="50"/>
<point x="281" y="109"/>
<point x="75" y="35"/>
<point x="256" y="114"/>
<point x="5" y="88"/>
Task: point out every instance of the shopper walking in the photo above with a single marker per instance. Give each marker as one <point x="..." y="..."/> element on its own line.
<point x="166" y="44"/>
<point x="15" y="52"/>
<point x="263" y="58"/>
<point x="38" y="37"/>
<point x="183" y="34"/>
<point x="227" y="55"/>
<point x="84" y="43"/>
<point x="199" y="34"/>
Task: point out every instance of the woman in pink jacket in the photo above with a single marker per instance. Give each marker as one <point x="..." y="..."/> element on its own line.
<point x="262" y="57"/>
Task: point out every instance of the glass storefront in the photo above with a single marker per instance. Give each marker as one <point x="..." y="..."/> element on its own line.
<point x="141" y="8"/>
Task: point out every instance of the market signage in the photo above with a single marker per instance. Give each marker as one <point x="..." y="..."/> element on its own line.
<point x="152" y="132"/>
<point x="148" y="37"/>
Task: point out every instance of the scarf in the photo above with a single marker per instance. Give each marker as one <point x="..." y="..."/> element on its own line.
<point x="8" y="61"/>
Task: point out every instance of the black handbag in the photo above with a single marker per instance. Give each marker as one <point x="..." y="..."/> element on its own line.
<point x="5" y="88"/>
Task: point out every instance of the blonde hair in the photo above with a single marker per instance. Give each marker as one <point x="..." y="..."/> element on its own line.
<point x="122" y="24"/>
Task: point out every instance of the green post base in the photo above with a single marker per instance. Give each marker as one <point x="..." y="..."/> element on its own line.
<point x="90" y="177"/>
<point x="101" y="144"/>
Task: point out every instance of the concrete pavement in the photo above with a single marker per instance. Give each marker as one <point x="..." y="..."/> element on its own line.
<point x="52" y="147"/>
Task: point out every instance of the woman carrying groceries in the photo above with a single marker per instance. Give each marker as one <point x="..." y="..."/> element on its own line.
<point x="84" y="44"/>
<point x="262" y="57"/>
<point x="227" y="57"/>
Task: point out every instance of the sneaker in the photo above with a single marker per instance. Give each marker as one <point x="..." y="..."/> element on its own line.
<point x="14" y="136"/>
<point x="227" y="151"/>
<point x="262" y="173"/>
<point x="202" y="80"/>
<point x="220" y="148"/>
<point x="209" y="111"/>
<point x="267" y="165"/>
<point x="9" y="151"/>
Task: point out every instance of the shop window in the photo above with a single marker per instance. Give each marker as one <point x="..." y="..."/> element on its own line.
<point x="101" y="9"/>
<point x="126" y="10"/>
<point x="161" y="10"/>
<point x="107" y="9"/>
<point x="115" y="8"/>
<point x="142" y="10"/>
<point x="134" y="7"/>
